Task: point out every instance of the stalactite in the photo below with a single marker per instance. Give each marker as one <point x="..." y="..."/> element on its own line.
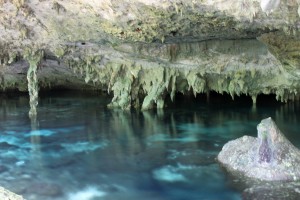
<point x="33" y="58"/>
<point x="196" y="82"/>
<point x="144" y="84"/>
<point x="254" y="98"/>
<point x="122" y="88"/>
<point x="154" y="88"/>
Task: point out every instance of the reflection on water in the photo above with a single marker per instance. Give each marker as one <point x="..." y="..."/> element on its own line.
<point x="80" y="150"/>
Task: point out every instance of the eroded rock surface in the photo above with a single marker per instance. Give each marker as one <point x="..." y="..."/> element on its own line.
<point x="269" y="157"/>
<point x="7" y="195"/>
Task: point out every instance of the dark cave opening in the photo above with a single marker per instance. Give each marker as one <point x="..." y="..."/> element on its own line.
<point x="222" y="100"/>
<point x="181" y="100"/>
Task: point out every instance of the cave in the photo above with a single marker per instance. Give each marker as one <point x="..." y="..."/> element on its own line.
<point x="124" y="99"/>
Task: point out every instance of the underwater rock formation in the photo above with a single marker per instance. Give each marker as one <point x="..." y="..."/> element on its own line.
<point x="269" y="157"/>
<point x="275" y="191"/>
<point x="7" y="195"/>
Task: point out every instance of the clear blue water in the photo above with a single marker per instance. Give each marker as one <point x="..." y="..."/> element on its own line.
<point x="80" y="150"/>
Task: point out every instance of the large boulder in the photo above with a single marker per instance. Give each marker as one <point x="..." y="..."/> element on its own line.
<point x="268" y="157"/>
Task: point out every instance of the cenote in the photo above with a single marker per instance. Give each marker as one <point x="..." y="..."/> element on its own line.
<point x="78" y="149"/>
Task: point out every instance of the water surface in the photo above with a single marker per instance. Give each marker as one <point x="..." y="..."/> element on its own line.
<point x="80" y="150"/>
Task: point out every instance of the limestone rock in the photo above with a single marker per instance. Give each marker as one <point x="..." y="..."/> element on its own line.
<point x="268" y="157"/>
<point x="7" y="195"/>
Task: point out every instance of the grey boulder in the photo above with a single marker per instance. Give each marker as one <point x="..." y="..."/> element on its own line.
<point x="269" y="157"/>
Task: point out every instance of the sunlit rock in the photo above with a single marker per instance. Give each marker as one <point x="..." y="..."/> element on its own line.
<point x="7" y="195"/>
<point x="269" y="157"/>
<point x="269" y="5"/>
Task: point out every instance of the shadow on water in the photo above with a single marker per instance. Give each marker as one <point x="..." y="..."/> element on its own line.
<point x="86" y="151"/>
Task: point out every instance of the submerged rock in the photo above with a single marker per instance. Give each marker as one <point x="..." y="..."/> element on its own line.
<point x="274" y="191"/>
<point x="268" y="157"/>
<point x="45" y="189"/>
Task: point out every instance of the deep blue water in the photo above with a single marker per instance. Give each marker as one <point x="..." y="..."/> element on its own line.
<point x="80" y="150"/>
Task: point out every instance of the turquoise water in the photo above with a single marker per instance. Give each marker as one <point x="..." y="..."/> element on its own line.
<point x="80" y="150"/>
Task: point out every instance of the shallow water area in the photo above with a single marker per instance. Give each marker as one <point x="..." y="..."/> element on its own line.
<point x="80" y="150"/>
